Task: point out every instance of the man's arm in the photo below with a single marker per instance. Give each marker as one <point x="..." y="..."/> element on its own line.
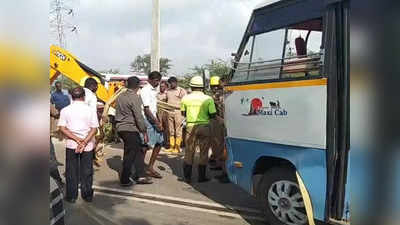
<point x="152" y="118"/>
<point x="136" y="107"/>
<point x="53" y="111"/>
<point x="70" y="135"/>
<point x="183" y="108"/>
<point x="212" y="111"/>
<point x="110" y="102"/>
<point x="62" y="123"/>
<point x="68" y="100"/>
<point x="94" y="124"/>
<point x="182" y="93"/>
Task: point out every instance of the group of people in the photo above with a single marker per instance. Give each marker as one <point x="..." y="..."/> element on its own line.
<point x="142" y="125"/>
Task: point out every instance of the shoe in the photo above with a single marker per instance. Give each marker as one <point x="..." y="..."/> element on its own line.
<point x="88" y="199"/>
<point x="130" y="183"/>
<point x="178" y="143"/>
<point x="212" y="162"/>
<point x="144" y="180"/>
<point x="216" y="168"/>
<point x="97" y="163"/>
<point x="223" y="178"/>
<point x="171" y="145"/>
<point x="70" y="200"/>
<point x="153" y="174"/>
<point x="202" y="174"/>
<point x="187" y="173"/>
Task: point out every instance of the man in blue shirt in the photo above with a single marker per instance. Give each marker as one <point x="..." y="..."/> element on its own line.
<point x="58" y="98"/>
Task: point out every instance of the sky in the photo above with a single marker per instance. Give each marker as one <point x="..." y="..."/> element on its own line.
<point x="112" y="33"/>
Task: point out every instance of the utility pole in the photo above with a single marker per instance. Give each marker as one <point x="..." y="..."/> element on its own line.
<point x="155" y="37"/>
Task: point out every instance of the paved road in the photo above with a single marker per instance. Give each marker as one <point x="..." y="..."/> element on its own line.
<point x="165" y="202"/>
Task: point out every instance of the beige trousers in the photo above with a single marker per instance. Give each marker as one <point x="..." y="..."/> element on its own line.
<point x="198" y="135"/>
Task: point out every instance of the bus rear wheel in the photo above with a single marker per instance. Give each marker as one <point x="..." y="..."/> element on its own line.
<point x="281" y="197"/>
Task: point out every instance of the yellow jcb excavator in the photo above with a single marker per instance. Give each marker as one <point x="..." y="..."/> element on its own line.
<point x="63" y="62"/>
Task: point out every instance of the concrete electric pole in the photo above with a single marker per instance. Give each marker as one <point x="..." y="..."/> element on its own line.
<point x="155" y="37"/>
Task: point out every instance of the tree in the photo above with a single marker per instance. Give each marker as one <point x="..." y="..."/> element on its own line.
<point x="184" y="82"/>
<point x="217" y="67"/>
<point x="142" y="63"/>
<point x="66" y="83"/>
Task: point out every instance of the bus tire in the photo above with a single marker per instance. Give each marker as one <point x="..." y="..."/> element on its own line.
<point x="280" y="194"/>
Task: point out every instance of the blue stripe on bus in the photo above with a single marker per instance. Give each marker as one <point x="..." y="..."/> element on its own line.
<point x="309" y="162"/>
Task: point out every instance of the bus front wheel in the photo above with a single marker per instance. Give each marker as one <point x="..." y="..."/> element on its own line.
<point x="282" y="200"/>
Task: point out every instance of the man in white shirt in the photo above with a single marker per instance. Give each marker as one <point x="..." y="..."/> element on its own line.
<point x="90" y="93"/>
<point x="79" y="124"/>
<point x="154" y="128"/>
<point x="91" y="100"/>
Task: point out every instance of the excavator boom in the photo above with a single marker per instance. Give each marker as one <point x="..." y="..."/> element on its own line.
<point x="63" y="62"/>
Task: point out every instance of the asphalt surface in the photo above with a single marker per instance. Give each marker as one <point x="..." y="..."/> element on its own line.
<point x="165" y="202"/>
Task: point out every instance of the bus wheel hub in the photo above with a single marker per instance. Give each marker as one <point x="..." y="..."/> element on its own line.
<point x="286" y="202"/>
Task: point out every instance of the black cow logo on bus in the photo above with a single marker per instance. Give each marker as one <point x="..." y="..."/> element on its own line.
<point x="273" y="108"/>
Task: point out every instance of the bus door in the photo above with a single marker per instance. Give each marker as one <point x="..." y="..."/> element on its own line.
<point x="338" y="122"/>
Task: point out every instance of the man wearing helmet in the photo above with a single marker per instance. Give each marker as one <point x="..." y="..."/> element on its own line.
<point x="219" y="154"/>
<point x="198" y="108"/>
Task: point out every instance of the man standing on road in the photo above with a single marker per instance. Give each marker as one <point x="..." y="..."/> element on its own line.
<point x="218" y="129"/>
<point x="162" y="114"/>
<point x="130" y="124"/>
<point x="60" y="100"/>
<point x="174" y="97"/>
<point x="198" y="109"/>
<point x="154" y="127"/>
<point x="91" y="100"/>
<point x="79" y="124"/>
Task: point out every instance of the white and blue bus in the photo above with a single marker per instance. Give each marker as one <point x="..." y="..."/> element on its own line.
<point x="287" y="111"/>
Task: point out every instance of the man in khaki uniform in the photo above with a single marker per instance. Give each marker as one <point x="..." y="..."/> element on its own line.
<point x="218" y="129"/>
<point x="198" y="108"/>
<point x="163" y="114"/>
<point x="174" y="97"/>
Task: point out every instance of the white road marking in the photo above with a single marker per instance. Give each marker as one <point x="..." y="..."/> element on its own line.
<point x="216" y="212"/>
<point x="185" y="200"/>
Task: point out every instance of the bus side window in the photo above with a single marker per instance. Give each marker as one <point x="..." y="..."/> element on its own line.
<point x="303" y="50"/>
<point x="267" y="55"/>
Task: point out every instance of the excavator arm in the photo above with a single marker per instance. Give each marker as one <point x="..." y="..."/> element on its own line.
<point x="63" y="62"/>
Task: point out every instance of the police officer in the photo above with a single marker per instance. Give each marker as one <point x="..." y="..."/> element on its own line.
<point x="198" y="108"/>
<point x="218" y="129"/>
<point x="174" y="97"/>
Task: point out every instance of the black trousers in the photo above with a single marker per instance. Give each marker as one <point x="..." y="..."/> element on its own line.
<point x="79" y="168"/>
<point x="133" y="155"/>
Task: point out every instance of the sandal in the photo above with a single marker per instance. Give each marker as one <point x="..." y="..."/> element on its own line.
<point x="153" y="174"/>
<point x="144" y="180"/>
